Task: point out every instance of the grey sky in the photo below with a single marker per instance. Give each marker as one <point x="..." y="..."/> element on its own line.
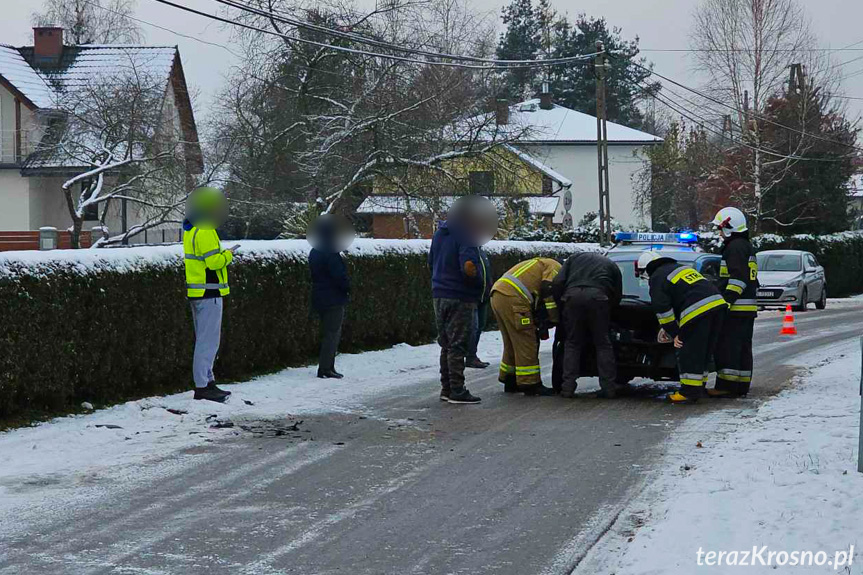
<point x="659" y="24"/>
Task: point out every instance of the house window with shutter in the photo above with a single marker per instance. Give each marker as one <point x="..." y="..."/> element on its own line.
<point x="482" y="183"/>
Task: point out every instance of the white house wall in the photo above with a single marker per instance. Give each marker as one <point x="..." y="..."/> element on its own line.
<point x="14" y="201"/>
<point x="579" y="164"/>
<point x="7" y="126"/>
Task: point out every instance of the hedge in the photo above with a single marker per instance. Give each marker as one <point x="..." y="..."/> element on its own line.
<point x="111" y="325"/>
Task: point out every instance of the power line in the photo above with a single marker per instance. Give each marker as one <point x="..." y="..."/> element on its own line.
<point x="705" y="123"/>
<point x="735" y="109"/>
<point x="748" y="50"/>
<point x="140" y="21"/>
<point x="363" y="39"/>
<point x="496" y="64"/>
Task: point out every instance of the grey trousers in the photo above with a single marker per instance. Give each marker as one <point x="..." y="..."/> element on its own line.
<point x="331" y="332"/>
<point x="207" y="320"/>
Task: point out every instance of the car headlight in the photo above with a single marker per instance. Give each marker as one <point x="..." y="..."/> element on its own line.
<point x="793" y="283"/>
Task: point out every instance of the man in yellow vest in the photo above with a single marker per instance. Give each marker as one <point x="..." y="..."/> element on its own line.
<point x="517" y="299"/>
<point x="206" y="283"/>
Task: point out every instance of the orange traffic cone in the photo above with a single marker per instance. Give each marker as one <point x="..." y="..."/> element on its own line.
<point x="788" y="327"/>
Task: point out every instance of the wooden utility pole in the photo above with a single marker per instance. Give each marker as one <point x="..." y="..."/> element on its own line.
<point x="602" y="67"/>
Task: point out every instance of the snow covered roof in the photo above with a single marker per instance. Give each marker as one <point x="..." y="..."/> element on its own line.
<point x="530" y="124"/>
<point x="543" y="168"/>
<point x="538" y="205"/>
<point x="80" y="64"/>
<point x="15" y="70"/>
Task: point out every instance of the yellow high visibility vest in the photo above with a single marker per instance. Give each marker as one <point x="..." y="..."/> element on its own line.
<point x="203" y="251"/>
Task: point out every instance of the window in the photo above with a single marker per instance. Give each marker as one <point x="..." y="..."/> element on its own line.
<point x="547" y="186"/>
<point x="710" y="269"/>
<point x="91" y="212"/>
<point x="482" y="183"/>
<point x="779" y="262"/>
<point x="811" y="263"/>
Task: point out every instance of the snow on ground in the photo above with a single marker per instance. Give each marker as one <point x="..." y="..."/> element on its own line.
<point x="781" y="475"/>
<point x="69" y="450"/>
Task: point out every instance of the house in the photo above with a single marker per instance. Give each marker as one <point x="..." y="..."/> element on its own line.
<point x="33" y="80"/>
<point x="510" y="177"/>
<point x="547" y="156"/>
<point x="566" y="141"/>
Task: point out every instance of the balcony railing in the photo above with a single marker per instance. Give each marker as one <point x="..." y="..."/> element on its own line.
<point x="15" y="145"/>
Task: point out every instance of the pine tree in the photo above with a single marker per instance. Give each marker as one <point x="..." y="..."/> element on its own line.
<point x="521" y="41"/>
<point x="541" y="33"/>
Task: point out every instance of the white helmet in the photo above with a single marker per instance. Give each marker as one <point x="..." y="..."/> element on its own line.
<point x="645" y="259"/>
<point x="729" y="221"/>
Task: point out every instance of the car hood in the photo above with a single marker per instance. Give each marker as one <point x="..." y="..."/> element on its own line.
<point x="777" y="278"/>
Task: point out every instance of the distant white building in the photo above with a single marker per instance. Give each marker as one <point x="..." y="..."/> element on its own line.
<point x="32" y="79"/>
<point x="565" y="141"/>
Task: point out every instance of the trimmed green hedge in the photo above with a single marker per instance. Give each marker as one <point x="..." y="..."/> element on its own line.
<point x="840" y="254"/>
<point x="109" y="325"/>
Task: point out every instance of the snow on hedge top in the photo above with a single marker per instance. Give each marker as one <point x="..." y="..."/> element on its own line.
<point x="131" y="259"/>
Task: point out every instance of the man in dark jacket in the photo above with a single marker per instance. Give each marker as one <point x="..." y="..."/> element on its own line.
<point x="588" y="286"/>
<point x="481" y="315"/>
<point x="456" y="289"/>
<point x="330" y="290"/>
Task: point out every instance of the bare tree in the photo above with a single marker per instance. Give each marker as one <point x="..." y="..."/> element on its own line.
<point x="746" y="47"/>
<point x="121" y="131"/>
<point x="92" y="21"/>
<point x="326" y="126"/>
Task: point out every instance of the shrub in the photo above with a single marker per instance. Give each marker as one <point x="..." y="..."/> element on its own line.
<point x="109" y="325"/>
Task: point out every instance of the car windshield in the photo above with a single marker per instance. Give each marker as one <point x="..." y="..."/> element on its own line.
<point x="633" y="287"/>
<point x="779" y="263"/>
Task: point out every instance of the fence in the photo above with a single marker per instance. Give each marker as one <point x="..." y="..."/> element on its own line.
<point x="15" y="241"/>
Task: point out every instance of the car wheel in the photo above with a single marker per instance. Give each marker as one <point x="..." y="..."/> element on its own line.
<point x="822" y="303"/>
<point x="804" y="301"/>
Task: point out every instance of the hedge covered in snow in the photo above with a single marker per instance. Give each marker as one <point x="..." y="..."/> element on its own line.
<point x="841" y="255"/>
<point x="108" y="325"/>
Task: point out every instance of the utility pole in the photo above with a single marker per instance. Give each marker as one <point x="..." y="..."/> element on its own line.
<point x="602" y="68"/>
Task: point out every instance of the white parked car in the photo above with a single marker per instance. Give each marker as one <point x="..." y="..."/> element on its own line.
<point x="790" y="277"/>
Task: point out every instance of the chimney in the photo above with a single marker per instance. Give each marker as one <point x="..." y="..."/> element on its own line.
<point x="545" y="97"/>
<point x="47" y="43"/>
<point x="501" y="111"/>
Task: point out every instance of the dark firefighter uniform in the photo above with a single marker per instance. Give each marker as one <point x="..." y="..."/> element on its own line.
<point x="739" y="284"/>
<point x="514" y="299"/>
<point x="690" y="307"/>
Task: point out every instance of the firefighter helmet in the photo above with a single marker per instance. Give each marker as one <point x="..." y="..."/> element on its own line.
<point x="729" y="221"/>
<point x="645" y="259"/>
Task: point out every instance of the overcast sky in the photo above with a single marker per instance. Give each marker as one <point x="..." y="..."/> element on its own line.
<point x="661" y="24"/>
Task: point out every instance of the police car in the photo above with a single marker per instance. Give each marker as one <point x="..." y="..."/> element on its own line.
<point x="633" y="325"/>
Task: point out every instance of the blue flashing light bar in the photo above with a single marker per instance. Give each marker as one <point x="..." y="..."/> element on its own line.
<point x="655" y="238"/>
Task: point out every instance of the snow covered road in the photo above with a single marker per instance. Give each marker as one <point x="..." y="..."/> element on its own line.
<point x="371" y="474"/>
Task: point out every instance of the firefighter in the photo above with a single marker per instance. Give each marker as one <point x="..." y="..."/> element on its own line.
<point x="522" y="303"/>
<point x="690" y="311"/>
<point x="738" y="282"/>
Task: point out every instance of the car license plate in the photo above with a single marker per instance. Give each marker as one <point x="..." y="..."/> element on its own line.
<point x="767" y="294"/>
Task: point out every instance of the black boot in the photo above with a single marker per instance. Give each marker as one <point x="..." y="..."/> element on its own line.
<point x="462" y="396"/>
<point x="212" y="385"/>
<point x="210" y="394"/>
<point x="330" y="374"/>
<point x="537" y="390"/>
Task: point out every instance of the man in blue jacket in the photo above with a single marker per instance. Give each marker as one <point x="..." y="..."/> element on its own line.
<point x="456" y="289"/>
<point x="331" y="287"/>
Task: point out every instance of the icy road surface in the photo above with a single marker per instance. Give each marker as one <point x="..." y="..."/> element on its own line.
<point x="377" y="478"/>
